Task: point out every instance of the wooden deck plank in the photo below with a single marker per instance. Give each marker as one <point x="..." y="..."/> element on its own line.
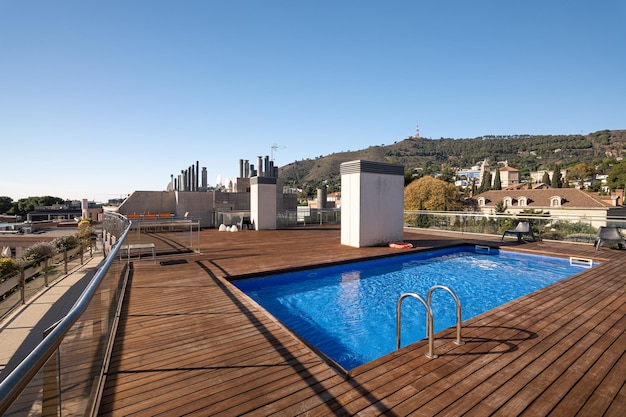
<point x="584" y="376"/>
<point x="466" y="380"/>
<point x="191" y="343"/>
<point x="607" y="390"/>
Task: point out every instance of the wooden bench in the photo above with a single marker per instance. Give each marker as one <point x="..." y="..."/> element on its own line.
<point x="139" y="247"/>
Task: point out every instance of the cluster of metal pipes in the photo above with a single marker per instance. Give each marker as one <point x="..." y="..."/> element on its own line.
<point x="189" y="179"/>
<point x="246" y="170"/>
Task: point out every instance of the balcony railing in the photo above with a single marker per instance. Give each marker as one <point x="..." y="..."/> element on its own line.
<point x="580" y="229"/>
<point x="19" y="286"/>
<point x="569" y="228"/>
<point x="63" y="375"/>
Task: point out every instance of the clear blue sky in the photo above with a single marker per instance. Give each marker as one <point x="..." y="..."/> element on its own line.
<point x="101" y="98"/>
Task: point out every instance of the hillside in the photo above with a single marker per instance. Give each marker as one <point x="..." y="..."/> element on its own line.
<point x="524" y="152"/>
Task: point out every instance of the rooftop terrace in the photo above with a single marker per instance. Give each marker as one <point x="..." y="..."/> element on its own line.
<point x="190" y="343"/>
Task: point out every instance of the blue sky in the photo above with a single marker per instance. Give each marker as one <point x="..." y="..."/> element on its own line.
<point x="101" y="98"/>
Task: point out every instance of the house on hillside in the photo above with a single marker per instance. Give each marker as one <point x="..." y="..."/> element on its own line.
<point x="537" y="176"/>
<point x="556" y="201"/>
<point x="509" y="176"/>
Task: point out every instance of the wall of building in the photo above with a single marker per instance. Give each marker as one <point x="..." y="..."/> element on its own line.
<point x="372" y="203"/>
<point x="149" y="202"/>
<point x="195" y="204"/>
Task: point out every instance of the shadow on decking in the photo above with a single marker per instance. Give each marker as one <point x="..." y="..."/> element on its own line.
<point x="301" y="368"/>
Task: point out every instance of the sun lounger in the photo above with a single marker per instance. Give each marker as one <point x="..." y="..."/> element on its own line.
<point x="522" y="229"/>
<point x="609" y="234"/>
<point x="245" y="221"/>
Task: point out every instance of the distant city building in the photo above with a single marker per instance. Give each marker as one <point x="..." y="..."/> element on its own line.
<point x="188" y="195"/>
<point x="473" y="172"/>
<point x="70" y="211"/>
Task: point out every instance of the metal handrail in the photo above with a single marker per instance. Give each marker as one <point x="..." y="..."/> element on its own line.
<point x="18" y="380"/>
<point x="458" y="340"/>
<point x="429" y="323"/>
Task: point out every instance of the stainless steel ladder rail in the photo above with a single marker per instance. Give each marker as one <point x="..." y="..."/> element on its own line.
<point x="458" y="340"/>
<point x="429" y="322"/>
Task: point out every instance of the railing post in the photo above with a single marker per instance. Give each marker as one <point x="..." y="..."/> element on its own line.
<point x="45" y="275"/>
<point x="65" y="260"/>
<point x="22" y="284"/>
<point x="81" y="247"/>
<point x="51" y="395"/>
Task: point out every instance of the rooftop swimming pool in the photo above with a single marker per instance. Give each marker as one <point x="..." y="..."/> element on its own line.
<point x="348" y="312"/>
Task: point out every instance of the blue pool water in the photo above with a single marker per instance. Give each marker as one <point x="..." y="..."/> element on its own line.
<point x="349" y="311"/>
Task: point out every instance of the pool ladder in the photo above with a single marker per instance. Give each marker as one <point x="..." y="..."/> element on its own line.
<point x="429" y="317"/>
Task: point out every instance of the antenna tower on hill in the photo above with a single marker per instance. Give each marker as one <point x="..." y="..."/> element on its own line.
<point x="417" y="130"/>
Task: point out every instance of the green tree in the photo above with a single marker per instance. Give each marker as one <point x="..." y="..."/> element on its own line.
<point x="408" y="177"/>
<point x="617" y="176"/>
<point x="485" y="184"/>
<point x="580" y="172"/>
<point x="497" y="182"/>
<point x="605" y="166"/>
<point x="431" y="194"/>
<point x="7" y="266"/>
<point x="5" y="204"/>
<point x="446" y="174"/>
<point x="556" y="177"/>
<point x="546" y="177"/>
<point x="24" y="205"/>
<point x="500" y="207"/>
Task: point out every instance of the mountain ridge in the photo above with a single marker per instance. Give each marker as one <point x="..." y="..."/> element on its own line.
<point x="524" y="152"/>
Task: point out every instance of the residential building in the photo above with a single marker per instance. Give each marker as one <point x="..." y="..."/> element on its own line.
<point x="556" y="201"/>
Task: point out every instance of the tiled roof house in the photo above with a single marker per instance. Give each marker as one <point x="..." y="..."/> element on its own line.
<point x="556" y="201"/>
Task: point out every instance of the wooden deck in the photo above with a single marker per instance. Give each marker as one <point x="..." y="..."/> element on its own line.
<point x="190" y="343"/>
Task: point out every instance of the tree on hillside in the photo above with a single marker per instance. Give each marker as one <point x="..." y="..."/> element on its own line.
<point x="546" y="178"/>
<point x="5" y="204"/>
<point x="408" y="177"/>
<point x="556" y="177"/>
<point x="446" y="174"/>
<point x="431" y="194"/>
<point x="485" y="184"/>
<point x="617" y="177"/>
<point x="580" y="172"/>
<point x="497" y="182"/>
<point x="605" y="165"/>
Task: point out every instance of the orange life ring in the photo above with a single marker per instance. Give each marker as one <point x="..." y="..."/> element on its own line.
<point x="400" y="245"/>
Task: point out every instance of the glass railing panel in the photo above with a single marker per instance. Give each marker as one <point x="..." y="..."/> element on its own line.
<point x="63" y="374"/>
<point x="29" y="402"/>
<point x="579" y="229"/>
<point x="82" y="352"/>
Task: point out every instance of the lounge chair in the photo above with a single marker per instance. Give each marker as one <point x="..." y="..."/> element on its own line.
<point x="609" y="234"/>
<point x="522" y="229"/>
<point x="245" y="221"/>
